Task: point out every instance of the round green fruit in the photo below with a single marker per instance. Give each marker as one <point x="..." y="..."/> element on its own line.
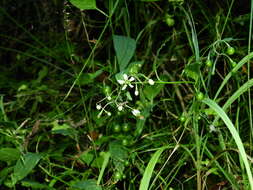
<point x="233" y="64"/>
<point x="182" y="118"/>
<point x="107" y="90"/>
<point x="126" y="163"/>
<point x="126" y="127"/>
<point x="230" y="50"/>
<point x="117" y="176"/>
<point x="209" y="63"/>
<point x="125" y="142"/>
<point x="200" y="96"/>
<point x="169" y="20"/>
<point x="116" y="128"/>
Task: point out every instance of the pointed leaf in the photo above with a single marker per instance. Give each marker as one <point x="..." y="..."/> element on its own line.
<point x="25" y="165"/>
<point x="124" y="47"/>
<point x="9" y="154"/>
<point x="150" y="168"/>
<point x="84" y="4"/>
<point x="89" y="184"/>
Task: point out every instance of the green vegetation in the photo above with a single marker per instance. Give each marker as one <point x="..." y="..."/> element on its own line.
<point x="126" y="95"/>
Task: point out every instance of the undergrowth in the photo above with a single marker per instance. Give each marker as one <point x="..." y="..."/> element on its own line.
<point x="126" y="94"/>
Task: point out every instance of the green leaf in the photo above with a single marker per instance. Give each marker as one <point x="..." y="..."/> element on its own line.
<point x="150" y="0"/>
<point x="9" y="154"/>
<point x="63" y="129"/>
<point x="35" y="185"/>
<point x="89" y="184"/>
<point x="87" y="78"/>
<point x="25" y="165"/>
<point x="150" y="168"/>
<point x="124" y="47"/>
<point x="87" y="157"/>
<point x="151" y="92"/>
<point x="84" y="4"/>
<point x="118" y="154"/>
<point x="234" y="134"/>
<point x="193" y="71"/>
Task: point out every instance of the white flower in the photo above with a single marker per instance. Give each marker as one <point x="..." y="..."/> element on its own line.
<point x="120" y="107"/>
<point x="212" y="128"/>
<point x="109" y="98"/>
<point x="109" y="113"/>
<point x="136" y="112"/>
<point x="136" y="93"/>
<point x="126" y="82"/>
<point x="151" y="82"/>
<point x="98" y="107"/>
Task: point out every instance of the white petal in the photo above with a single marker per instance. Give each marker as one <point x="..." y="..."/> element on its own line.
<point x="120" y="107"/>
<point x="121" y="81"/>
<point x="132" y="79"/>
<point x="136" y="93"/>
<point x="109" y="98"/>
<point x="125" y="77"/>
<point x="136" y="112"/>
<point x="98" y="107"/>
<point x="109" y="113"/>
<point x="151" y="82"/>
<point x="131" y="86"/>
<point x="124" y="87"/>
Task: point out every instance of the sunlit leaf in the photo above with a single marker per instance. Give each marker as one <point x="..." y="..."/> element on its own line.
<point x="124" y="47"/>
<point x="25" y="165"/>
<point x="84" y="4"/>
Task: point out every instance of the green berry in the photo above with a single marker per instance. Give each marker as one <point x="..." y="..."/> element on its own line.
<point x="126" y="127"/>
<point x="116" y="128"/>
<point x="182" y="118"/>
<point x="169" y="20"/>
<point x="209" y="63"/>
<point x="126" y="163"/>
<point x="117" y="176"/>
<point x="125" y="142"/>
<point x="200" y="96"/>
<point x="230" y="50"/>
<point x="107" y="90"/>
<point x="233" y="64"/>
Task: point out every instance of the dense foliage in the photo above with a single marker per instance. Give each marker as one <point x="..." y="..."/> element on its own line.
<point x="126" y="94"/>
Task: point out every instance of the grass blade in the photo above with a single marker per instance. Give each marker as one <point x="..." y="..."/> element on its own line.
<point x="237" y="67"/>
<point x="234" y="134"/>
<point x="149" y="169"/>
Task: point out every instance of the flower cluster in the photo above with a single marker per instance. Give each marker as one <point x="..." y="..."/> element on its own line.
<point x="125" y="81"/>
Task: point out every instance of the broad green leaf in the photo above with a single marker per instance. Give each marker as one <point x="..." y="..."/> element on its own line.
<point x="87" y="157"/>
<point x="118" y="154"/>
<point x="150" y="168"/>
<point x="234" y="134"/>
<point x="87" y="78"/>
<point x="98" y="162"/>
<point x="5" y="173"/>
<point x="151" y="92"/>
<point x="9" y="154"/>
<point x="193" y="71"/>
<point x="63" y="129"/>
<point x="124" y="47"/>
<point x="89" y="184"/>
<point x="25" y="165"/>
<point x="84" y="4"/>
